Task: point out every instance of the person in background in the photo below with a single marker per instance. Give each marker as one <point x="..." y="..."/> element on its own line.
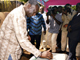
<point x="60" y="10"/>
<point x="67" y="16"/>
<point x="19" y="3"/>
<point x="70" y="10"/>
<point x="55" y="20"/>
<point x="34" y="25"/>
<point x="74" y="33"/>
<point x="44" y="36"/>
<point x="13" y="34"/>
<point x="59" y="34"/>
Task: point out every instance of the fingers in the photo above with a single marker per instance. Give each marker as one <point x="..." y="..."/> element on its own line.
<point x="49" y="58"/>
<point x="49" y="50"/>
<point x="49" y="54"/>
<point x="69" y="26"/>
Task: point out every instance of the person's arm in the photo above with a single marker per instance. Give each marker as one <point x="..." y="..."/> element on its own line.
<point x="69" y="16"/>
<point x="28" y="23"/>
<point x="58" y="22"/>
<point x="21" y="34"/>
<point x="47" y="21"/>
<point x="75" y="26"/>
<point x="74" y="13"/>
<point x="63" y="17"/>
<point x="44" y="25"/>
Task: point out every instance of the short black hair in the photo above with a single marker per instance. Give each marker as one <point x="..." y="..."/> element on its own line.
<point x="55" y="7"/>
<point x="78" y="4"/>
<point x="59" y="6"/>
<point x="22" y="3"/>
<point x="68" y="5"/>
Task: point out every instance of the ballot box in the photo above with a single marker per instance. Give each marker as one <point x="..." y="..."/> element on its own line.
<point x="56" y="56"/>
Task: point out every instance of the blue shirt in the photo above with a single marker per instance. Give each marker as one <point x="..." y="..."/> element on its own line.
<point x="35" y="23"/>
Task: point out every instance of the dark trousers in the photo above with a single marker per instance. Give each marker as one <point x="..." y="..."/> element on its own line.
<point x="59" y="39"/>
<point x="37" y="38"/>
<point x="72" y="48"/>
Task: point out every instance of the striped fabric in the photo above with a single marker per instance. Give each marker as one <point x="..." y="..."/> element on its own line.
<point x="35" y="23"/>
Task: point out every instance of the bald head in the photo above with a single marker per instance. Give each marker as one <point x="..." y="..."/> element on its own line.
<point x="29" y="9"/>
<point x="33" y="2"/>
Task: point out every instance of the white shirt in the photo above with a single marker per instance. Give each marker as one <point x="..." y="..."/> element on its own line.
<point x="78" y="14"/>
<point x="45" y="18"/>
<point x="54" y="27"/>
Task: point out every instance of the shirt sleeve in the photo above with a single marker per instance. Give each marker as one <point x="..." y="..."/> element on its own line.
<point x="69" y="17"/>
<point x="75" y="26"/>
<point x="43" y="23"/>
<point x="63" y="18"/>
<point x="21" y="34"/>
<point x="28" y="23"/>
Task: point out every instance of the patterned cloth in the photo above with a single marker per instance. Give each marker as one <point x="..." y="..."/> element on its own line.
<point x="13" y="36"/>
<point x="35" y="23"/>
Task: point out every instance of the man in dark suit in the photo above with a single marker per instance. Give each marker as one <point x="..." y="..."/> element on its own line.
<point x="74" y="33"/>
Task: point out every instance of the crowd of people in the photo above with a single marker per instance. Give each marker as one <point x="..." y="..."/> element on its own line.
<point x="53" y="29"/>
<point x="29" y="22"/>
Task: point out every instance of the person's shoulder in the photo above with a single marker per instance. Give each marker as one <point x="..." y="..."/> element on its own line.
<point x="57" y="15"/>
<point x="17" y="9"/>
<point x="28" y="17"/>
<point x="39" y="14"/>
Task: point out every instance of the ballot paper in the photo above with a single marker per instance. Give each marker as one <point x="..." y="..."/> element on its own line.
<point x="56" y="56"/>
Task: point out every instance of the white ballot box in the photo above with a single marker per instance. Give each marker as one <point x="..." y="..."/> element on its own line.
<point x="56" y="56"/>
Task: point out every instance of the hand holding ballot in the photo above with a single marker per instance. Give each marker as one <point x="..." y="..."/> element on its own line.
<point x="46" y="54"/>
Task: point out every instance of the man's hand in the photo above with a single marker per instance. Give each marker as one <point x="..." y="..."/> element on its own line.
<point x="69" y="29"/>
<point x="44" y="32"/>
<point x="66" y="25"/>
<point x="29" y="38"/>
<point x="46" y="54"/>
<point x="53" y="16"/>
<point x="47" y="21"/>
